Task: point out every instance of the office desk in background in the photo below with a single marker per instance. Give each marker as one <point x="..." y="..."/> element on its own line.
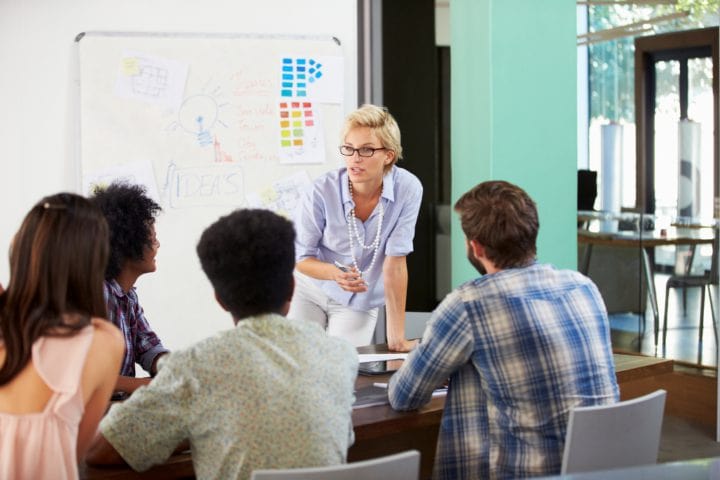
<point x="382" y="431"/>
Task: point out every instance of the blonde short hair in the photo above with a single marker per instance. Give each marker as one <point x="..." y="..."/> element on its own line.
<point x="381" y="122"/>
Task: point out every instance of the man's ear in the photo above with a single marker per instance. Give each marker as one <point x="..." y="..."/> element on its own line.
<point x="217" y="298"/>
<point x="478" y="250"/>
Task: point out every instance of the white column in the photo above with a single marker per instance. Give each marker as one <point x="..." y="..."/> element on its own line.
<point x="611" y="172"/>
<point x="688" y="197"/>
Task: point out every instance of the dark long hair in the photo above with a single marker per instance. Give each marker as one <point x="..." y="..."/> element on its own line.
<point x="57" y="262"/>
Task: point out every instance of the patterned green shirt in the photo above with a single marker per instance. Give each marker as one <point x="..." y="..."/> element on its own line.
<point x="270" y="393"/>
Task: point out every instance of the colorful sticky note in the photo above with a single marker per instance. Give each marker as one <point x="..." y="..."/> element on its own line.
<point x="307" y="105"/>
<point x="298" y="142"/>
<point x="285" y="143"/>
<point x="284" y="114"/>
<point x="284" y="124"/>
<point x="286" y="93"/>
<point x="308" y="113"/>
<point x="285" y="133"/>
<point x="295" y="104"/>
<point x="297" y="123"/>
<point x="130" y="66"/>
<point x="301" y="93"/>
<point x="309" y="123"/>
<point x="298" y="132"/>
<point x="296" y="113"/>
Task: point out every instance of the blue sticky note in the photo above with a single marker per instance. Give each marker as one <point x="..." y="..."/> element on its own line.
<point x="301" y="93"/>
<point x="301" y="76"/>
<point x="318" y="75"/>
<point x="287" y="60"/>
<point x="311" y="79"/>
<point x="287" y="69"/>
<point x="312" y="62"/>
<point x="286" y="93"/>
<point x="301" y="85"/>
<point x="301" y="61"/>
<point x="287" y="84"/>
<point x="287" y="76"/>
<point x="299" y="69"/>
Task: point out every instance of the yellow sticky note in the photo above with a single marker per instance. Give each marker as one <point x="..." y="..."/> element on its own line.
<point x="130" y="66"/>
<point x="268" y="195"/>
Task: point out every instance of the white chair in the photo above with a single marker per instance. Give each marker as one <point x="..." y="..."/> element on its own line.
<point x="623" y="434"/>
<point x="401" y="466"/>
<point x="415" y="323"/>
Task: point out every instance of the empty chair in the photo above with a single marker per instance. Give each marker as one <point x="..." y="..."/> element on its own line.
<point x="703" y="282"/>
<point x="401" y="466"/>
<point x="623" y="434"/>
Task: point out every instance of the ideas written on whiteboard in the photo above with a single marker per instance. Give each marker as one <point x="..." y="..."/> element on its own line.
<point x="283" y="195"/>
<point x="206" y="185"/>
<point x="151" y="79"/>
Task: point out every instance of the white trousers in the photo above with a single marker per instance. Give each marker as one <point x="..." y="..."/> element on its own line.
<point x="311" y="303"/>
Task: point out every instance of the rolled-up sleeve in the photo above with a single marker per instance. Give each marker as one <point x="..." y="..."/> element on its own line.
<point x="400" y="240"/>
<point x="147" y="344"/>
<point x="309" y="225"/>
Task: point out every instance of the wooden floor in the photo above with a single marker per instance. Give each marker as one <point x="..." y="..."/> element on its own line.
<point x="682" y="342"/>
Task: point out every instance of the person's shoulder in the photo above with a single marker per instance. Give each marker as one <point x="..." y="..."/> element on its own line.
<point x="106" y="332"/>
<point x="108" y="343"/>
<point x="405" y="178"/>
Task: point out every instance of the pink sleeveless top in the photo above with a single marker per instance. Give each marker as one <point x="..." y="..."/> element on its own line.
<point x="43" y="445"/>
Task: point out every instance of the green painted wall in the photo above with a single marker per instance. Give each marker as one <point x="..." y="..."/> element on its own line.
<point x="514" y="113"/>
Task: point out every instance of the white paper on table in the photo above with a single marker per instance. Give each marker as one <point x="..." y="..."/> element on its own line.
<point x="378" y="357"/>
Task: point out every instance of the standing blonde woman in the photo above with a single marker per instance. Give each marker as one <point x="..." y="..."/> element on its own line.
<point x="354" y="229"/>
<point x="58" y="357"/>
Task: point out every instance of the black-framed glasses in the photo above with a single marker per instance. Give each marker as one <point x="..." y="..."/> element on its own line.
<point x="349" y="151"/>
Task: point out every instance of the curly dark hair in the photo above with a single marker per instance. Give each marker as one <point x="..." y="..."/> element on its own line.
<point x="130" y="214"/>
<point x="249" y="257"/>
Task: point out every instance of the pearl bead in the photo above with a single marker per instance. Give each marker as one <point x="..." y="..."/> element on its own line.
<point x="353" y="235"/>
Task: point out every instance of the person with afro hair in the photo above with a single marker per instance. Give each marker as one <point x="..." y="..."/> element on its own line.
<point x="268" y="393"/>
<point x="130" y="214"/>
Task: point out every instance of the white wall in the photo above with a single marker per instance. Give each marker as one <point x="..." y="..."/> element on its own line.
<point x="38" y="78"/>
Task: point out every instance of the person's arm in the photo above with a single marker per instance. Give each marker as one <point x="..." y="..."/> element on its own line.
<point x="102" y="452"/>
<point x="146" y="344"/>
<point x="395" y="279"/>
<point x="349" y="281"/>
<point x="130" y="384"/>
<point x="147" y="428"/>
<point x="446" y="347"/>
<point x="103" y="361"/>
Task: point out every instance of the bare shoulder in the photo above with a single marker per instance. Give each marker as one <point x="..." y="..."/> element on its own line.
<point x="107" y="335"/>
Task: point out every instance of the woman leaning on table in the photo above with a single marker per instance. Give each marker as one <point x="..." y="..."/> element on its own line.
<point x="355" y="227"/>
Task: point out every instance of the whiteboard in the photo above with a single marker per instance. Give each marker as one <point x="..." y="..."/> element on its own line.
<point x="208" y="123"/>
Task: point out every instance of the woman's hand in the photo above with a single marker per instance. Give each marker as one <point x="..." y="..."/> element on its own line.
<point x="350" y="281"/>
<point x="401" y="345"/>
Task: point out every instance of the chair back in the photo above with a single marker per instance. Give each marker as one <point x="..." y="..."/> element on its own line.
<point x="401" y="466"/>
<point x="623" y="434"/>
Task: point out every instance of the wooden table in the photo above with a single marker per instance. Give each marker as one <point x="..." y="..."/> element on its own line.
<point x="381" y="430"/>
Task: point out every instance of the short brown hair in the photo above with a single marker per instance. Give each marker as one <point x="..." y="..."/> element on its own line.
<point x="502" y="218"/>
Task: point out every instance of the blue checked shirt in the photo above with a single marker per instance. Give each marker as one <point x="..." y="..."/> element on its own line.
<point x="521" y="348"/>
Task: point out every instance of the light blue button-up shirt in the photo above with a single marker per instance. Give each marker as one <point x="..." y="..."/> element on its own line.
<point x="321" y="222"/>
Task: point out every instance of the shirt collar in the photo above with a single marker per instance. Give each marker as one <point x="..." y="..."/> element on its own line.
<point x="388" y="191"/>
<point x="115" y="288"/>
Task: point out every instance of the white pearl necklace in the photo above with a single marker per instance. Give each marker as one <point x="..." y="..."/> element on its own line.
<point x="353" y="234"/>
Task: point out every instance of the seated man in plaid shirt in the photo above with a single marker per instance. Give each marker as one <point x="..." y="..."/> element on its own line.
<point x="522" y="345"/>
<point x="130" y="214"/>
